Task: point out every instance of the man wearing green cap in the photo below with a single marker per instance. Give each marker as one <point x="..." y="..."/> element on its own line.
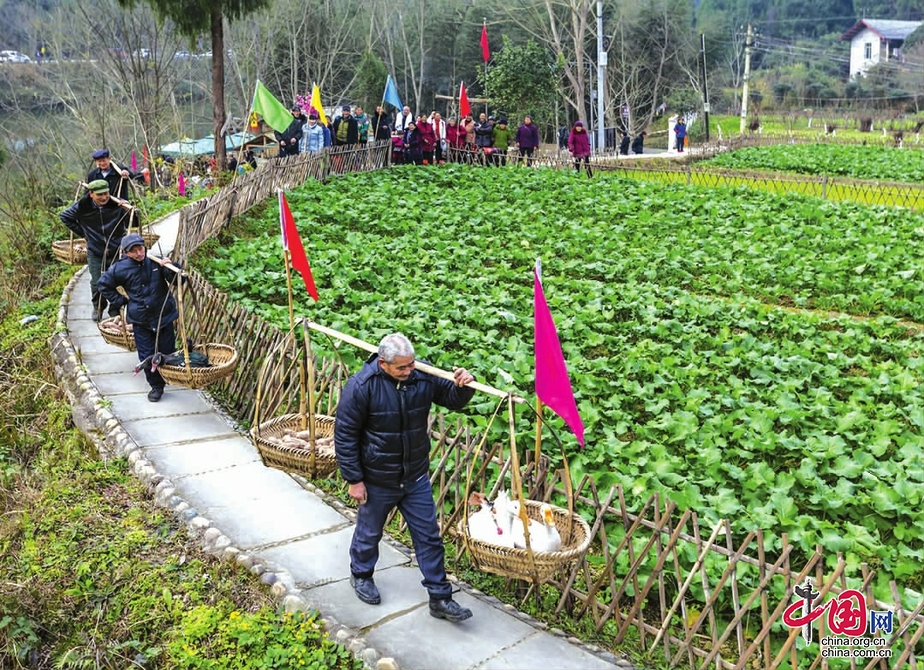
<point x="97" y="218"/>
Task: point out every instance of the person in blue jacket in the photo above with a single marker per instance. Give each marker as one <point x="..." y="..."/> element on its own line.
<point x="382" y="443"/>
<point x="150" y="306"/>
<point x="680" y="132"/>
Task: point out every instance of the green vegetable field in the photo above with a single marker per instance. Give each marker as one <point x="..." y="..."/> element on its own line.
<point x="752" y="356"/>
<point x="857" y="161"/>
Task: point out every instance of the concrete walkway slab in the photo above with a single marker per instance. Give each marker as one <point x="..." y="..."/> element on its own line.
<point x="535" y="651"/>
<point x="177" y="461"/>
<point x="94" y="344"/>
<point x="401" y="592"/>
<point x="177" y="403"/>
<point x="429" y="643"/>
<point x="119" y="383"/>
<point x="122" y="362"/>
<point x="155" y="432"/>
<point x="325" y="558"/>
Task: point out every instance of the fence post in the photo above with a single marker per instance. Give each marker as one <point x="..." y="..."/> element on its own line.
<point x="824" y="187"/>
<point x="689" y="176"/>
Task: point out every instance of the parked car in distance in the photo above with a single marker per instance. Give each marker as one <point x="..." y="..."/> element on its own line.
<point x="182" y="55"/>
<point x="9" y="56"/>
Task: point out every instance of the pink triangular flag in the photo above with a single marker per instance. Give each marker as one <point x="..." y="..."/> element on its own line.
<point x="552" y="384"/>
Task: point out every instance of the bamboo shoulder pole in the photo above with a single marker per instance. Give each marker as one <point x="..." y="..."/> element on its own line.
<point x="423" y="367"/>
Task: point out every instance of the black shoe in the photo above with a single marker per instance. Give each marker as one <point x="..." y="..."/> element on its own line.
<point x="366" y="590"/>
<point x="450" y="610"/>
<point x="155" y="393"/>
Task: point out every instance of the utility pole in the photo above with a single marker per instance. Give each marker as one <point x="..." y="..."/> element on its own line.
<point x="747" y="77"/>
<point x="601" y="78"/>
<point x="705" y="90"/>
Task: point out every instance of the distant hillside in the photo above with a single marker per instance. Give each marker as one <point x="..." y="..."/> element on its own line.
<point x="787" y="19"/>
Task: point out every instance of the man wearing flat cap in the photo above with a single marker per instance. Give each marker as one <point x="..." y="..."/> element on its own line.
<point x="97" y="218"/>
<point x="116" y="176"/>
<point x="346" y="130"/>
<point x="149" y="307"/>
<point x="289" y="140"/>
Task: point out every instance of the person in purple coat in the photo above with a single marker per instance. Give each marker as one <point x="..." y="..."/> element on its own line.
<point x="527" y="139"/>
<point x="579" y="146"/>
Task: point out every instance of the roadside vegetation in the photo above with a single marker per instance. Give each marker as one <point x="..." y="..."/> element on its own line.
<point x="94" y="575"/>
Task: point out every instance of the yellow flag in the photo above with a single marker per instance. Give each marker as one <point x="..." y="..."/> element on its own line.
<point x="316" y="103"/>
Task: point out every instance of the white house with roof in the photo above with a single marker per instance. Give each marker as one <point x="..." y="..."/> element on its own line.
<point x="875" y="41"/>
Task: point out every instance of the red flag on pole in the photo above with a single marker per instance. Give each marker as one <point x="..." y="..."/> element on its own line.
<point x="552" y="384"/>
<point x="292" y="243"/>
<point x="485" y="52"/>
<point x="465" y="109"/>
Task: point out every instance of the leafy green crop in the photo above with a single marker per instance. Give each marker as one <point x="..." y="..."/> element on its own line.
<point x="688" y="383"/>
<point x="860" y="162"/>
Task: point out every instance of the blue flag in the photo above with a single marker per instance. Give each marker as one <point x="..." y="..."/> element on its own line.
<point x="391" y="94"/>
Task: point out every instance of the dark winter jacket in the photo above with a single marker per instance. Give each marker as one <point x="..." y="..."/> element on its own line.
<point x="528" y="136"/>
<point x="352" y="131"/>
<point x="293" y="132"/>
<point x="146" y="283"/>
<point x="380" y="434"/>
<point x="117" y="186"/>
<point x="103" y="227"/>
<point x="381" y="126"/>
<point x="638" y="144"/>
<point x="484" y="134"/>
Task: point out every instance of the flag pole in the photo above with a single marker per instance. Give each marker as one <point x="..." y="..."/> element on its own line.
<point x="538" y="430"/>
<point x="485" y="28"/>
<point x="240" y="151"/>
<point x="287" y="261"/>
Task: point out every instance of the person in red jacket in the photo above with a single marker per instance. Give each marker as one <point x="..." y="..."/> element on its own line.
<point x="427" y="139"/>
<point x="579" y="146"/>
<point x="455" y="138"/>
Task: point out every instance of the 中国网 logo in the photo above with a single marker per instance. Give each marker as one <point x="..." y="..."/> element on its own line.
<point x="852" y="626"/>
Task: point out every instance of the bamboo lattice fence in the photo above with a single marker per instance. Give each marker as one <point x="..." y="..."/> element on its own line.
<point x="680" y="588"/>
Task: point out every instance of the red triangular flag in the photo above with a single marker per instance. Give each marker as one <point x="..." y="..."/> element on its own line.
<point x="292" y="243"/>
<point x="552" y="384"/>
<point x="485" y="52"/>
<point x="465" y="109"/>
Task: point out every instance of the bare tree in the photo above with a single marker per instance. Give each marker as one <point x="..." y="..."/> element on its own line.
<point x="567" y="27"/>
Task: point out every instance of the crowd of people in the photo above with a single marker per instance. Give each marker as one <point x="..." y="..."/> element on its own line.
<point x="429" y="139"/>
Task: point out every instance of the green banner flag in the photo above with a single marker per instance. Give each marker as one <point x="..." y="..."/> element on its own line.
<point x="273" y="112"/>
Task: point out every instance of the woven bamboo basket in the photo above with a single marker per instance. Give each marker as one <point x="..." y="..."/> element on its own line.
<point x="516" y="563"/>
<point x="222" y="357"/>
<point x="123" y="337"/>
<point x="150" y="239"/>
<point x="72" y="252"/>
<point x="289" y="459"/>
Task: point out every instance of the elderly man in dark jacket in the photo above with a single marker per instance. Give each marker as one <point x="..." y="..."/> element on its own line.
<point x="97" y="218"/>
<point x="116" y="176"/>
<point x="150" y="309"/>
<point x="383" y="450"/>
<point x="289" y="140"/>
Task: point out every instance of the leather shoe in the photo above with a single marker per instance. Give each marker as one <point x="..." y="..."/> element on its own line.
<point x="450" y="610"/>
<point x="366" y="590"/>
<point x="155" y="394"/>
